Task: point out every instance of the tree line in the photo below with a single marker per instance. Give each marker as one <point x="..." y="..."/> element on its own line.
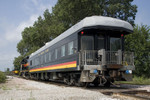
<point x="66" y="13"/>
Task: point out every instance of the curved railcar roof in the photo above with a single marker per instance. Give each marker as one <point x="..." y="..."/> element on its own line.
<point x="88" y="22"/>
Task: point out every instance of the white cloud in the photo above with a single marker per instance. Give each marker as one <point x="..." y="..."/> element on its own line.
<point x="14" y="34"/>
<point x="42" y="7"/>
<point x="37" y="6"/>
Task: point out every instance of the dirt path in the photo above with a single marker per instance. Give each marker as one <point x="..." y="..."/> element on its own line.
<point x="21" y="89"/>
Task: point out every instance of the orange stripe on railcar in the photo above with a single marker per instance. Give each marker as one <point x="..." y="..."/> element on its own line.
<point x="25" y="65"/>
<point x="57" y="66"/>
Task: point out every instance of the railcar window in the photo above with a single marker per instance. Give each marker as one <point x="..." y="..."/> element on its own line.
<point x="42" y="60"/>
<point x="56" y="53"/>
<point x="87" y="43"/>
<point x="50" y="56"/>
<point x="37" y="61"/>
<point x="70" y="46"/>
<point x="45" y="57"/>
<point x="115" y="44"/>
<point x="100" y="42"/>
<point x="63" y="51"/>
<point x="31" y="62"/>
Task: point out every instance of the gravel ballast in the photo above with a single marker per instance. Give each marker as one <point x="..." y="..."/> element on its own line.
<point x="21" y="89"/>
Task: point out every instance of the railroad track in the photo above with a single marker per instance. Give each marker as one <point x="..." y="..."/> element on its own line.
<point x="130" y="94"/>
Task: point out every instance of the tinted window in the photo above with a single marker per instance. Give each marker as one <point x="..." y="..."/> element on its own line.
<point x="100" y="42"/>
<point x="87" y="43"/>
<point x="50" y="56"/>
<point x="37" y="61"/>
<point x="45" y="58"/>
<point x="31" y="62"/>
<point x="63" y="51"/>
<point x="56" y="53"/>
<point x="70" y="46"/>
<point x="115" y="44"/>
<point x="42" y="60"/>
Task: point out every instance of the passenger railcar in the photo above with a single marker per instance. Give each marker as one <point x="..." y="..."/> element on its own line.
<point x="24" y="69"/>
<point x="91" y="51"/>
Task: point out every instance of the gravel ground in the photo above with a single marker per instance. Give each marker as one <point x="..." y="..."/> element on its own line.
<point x="21" y="89"/>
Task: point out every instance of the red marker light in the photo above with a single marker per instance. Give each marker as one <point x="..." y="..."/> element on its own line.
<point x="121" y="35"/>
<point x="82" y="32"/>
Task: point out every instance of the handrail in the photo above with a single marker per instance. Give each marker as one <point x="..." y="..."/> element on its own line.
<point x="102" y="57"/>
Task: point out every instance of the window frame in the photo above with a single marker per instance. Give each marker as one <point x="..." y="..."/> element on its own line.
<point x="56" y="53"/>
<point x="63" y="51"/>
<point x="50" y="56"/>
<point x="70" y="50"/>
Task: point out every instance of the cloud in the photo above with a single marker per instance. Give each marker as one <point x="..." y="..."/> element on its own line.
<point x="14" y="34"/>
<point x="44" y="7"/>
<point x="37" y="6"/>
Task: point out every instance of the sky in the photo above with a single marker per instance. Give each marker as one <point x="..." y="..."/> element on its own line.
<point x="15" y="15"/>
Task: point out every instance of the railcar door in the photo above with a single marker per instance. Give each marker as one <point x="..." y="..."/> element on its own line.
<point x="87" y="49"/>
<point x="100" y="42"/>
<point x="115" y="44"/>
<point x="87" y="42"/>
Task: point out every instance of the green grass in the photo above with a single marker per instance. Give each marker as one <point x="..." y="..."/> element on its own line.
<point x="136" y="81"/>
<point x="2" y="77"/>
<point x="4" y="87"/>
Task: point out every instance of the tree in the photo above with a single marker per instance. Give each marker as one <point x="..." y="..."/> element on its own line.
<point x="139" y="43"/>
<point x="28" y="42"/>
<point x="70" y="12"/>
<point x="122" y="9"/>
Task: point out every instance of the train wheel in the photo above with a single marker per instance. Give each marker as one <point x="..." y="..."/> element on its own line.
<point x="86" y="85"/>
<point x="67" y="81"/>
<point x="96" y="84"/>
<point x="107" y="84"/>
<point x="79" y="84"/>
<point x="72" y="81"/>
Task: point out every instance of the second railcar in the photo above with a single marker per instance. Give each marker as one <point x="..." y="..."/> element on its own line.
<point x="24" y="68"/>
<point x="92" y="51"/>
